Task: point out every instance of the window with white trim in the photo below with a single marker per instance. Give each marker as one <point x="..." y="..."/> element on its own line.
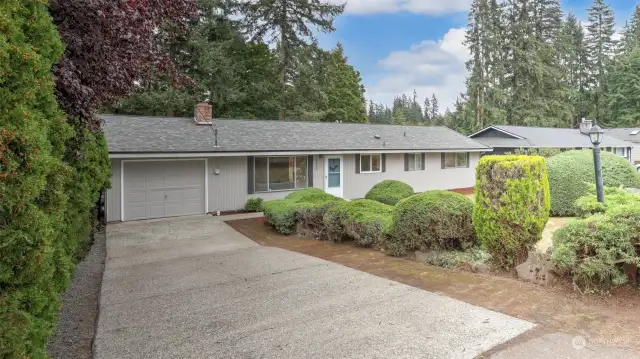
<point x="620" y="151"/>
<point x="455" y="160"/>
<point x="415" y="162"/>
<point x="370" y="163"/>
<point x="280" y="173"/>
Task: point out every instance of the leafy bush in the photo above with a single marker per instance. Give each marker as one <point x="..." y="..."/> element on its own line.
<point x="593" y="250"/>
<point x="307" y="204"/>
<point x="511" y="206"/>
<point x="365" y="221"/>
<point x="389" y="192"/>
<point x="614" y="197"/>
<point x="571" y="172"/>
<point x="458" y="259"/>
<point x="431" y="220"/>
<point x="545" y="152"/>
<point x="253" y="205"/>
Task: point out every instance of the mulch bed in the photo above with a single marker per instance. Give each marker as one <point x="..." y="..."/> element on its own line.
<point x="612" y="321"/>
<point x="74" y="335"/>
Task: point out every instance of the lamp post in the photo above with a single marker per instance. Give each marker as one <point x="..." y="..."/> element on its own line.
<point x="595" y="135"/>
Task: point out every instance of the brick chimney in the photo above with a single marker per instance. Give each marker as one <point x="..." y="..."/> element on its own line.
<point x="203" y="113"/>
<point x="585" y="126"/>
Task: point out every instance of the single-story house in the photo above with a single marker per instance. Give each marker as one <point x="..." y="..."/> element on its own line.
<point x="165" y="167"/>
<point x="630" y="135"/>
<point x="506" y="139"/>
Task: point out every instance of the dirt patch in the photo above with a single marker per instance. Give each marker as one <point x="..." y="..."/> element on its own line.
<point x="74" y="335"/>
<point x="612" y="321"/>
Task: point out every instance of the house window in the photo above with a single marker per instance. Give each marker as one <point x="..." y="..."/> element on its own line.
<point x="620" y="151"/>
<point x="415" y="161"/>
<point x="370" y="163"/>
<point x="280" y="173"/>
<point x="455" y="160"/>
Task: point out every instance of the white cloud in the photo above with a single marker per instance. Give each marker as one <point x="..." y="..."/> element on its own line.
<point x="433" y="7"/>
<point x="431" y="67"/>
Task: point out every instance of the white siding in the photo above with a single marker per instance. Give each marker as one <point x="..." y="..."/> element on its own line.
<point x="635" y="154"/>
<point x="433" y="177"/>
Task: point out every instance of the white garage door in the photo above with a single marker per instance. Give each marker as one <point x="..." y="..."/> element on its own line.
<point x="157" y="189"/>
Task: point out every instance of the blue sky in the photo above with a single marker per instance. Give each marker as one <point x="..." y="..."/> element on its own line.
<point x="402" y="45"/>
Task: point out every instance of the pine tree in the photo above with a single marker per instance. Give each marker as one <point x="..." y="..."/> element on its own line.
<point x="427" y="111"/>
<point x="575" y="62"/>
<point x="435" y="109"/>
<point x="344" y="90"/>
<point x="624" y="91"/>
<point x="600" y="46"/>
<point x="631" y="33"/>
<point x="289" y="23"/>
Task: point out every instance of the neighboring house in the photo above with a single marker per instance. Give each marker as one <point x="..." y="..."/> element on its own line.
<point x="177" y="166"/>
<point x="630" y="135"/>
<point x="507" y="139"/>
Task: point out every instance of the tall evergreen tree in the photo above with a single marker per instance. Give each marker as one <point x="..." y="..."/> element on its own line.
<point x="435" y="108"/>
<point x="624" y="91"/>
<point x="344" y="90"/>
<point x="631" y="33"/>
<point x="290" y="24"/>
<point x="600" y="46"/>
<point x="575" y="63"/>
<point x="427" y="111"/>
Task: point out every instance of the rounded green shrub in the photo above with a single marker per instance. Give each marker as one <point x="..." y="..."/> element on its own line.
<point x="511" y="206"/>
<point x="389" y="192"/>
<point x="431" y="220"/>
<point x="254" y="205"/>
<point x="613" y="197"/>
<point x="365" y="221"/>
<point x="571" y="172"/>
<point x="306" y="205"/>
<point x="593" y="250"/>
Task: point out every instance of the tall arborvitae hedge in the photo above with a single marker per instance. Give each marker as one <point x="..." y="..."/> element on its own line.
<point x="45" y="199"/>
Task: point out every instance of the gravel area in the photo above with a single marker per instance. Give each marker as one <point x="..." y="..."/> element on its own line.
<point x="74" y="336"/>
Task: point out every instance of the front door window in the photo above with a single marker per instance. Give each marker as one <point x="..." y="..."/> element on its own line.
<point x="334" y="173"/>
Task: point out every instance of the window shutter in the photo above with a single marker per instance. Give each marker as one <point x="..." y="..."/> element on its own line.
<point x="406" y="162"/>
<point x="357" y="163"/>
<point x="384" y="162"/>
<point x="468" y="159"/>
<point x="423" y="161"/>
<point x="310" y="171"/>
<point x="442" y="159"/>
<point x="250" y="175"/>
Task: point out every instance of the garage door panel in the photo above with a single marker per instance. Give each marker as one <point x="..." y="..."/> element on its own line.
<point x="156" y="189"/>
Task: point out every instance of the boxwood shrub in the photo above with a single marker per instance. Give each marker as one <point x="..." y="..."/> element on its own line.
<point x="614" y="197"/>
<point x="365" y="221"/>
<point x="511" y="206"/>
<point x="254" y="205"/>
<point x="571" y="172"/>
<point x="593" y="250"/>
<point x="431" y="220"/>
<point x="389" y="192"/>
<point x="307" y="205"/>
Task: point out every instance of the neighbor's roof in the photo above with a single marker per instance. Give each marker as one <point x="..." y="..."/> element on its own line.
<point x="133" y="134"/>
<point x="626" y="134"/>
<point x="524" y="137"/>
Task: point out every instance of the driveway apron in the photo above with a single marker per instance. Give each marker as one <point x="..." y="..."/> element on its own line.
<point x="192" y="287"/>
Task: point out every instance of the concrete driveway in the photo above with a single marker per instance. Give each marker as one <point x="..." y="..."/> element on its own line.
<point x="194" y="288"/>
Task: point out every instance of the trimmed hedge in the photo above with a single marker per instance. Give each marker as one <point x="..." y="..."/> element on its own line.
<point x="571" y="172"/>
<point x="389" y="192"/>
<point x="307" y="205"/>
<point x="613" y="197"/>
<point x="254" y="205"/>
<point x="593" y="250"/>
<point x="364" y="221"/>
<point x="511" y="205"/>
<point x="51" y="172"/>
<point x="431" y="220"/>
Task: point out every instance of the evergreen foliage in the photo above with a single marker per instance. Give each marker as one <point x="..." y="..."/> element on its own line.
<point x="571" y="172"/>
<point x="511" y="206"/>
<point x="309" y="203"/>
<point x="254" y="205"/>
<point x="431" y="220"/>
<point x="389" y="192"/>
<point x="364" y="221"/>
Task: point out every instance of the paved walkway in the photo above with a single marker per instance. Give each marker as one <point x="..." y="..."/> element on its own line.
<point x="195" y="288"/>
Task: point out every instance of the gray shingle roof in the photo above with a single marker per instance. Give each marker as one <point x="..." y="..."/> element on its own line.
<point x="135" y="134"/>
<point x="625" y="134"/>
<point x="546" y="137"/>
